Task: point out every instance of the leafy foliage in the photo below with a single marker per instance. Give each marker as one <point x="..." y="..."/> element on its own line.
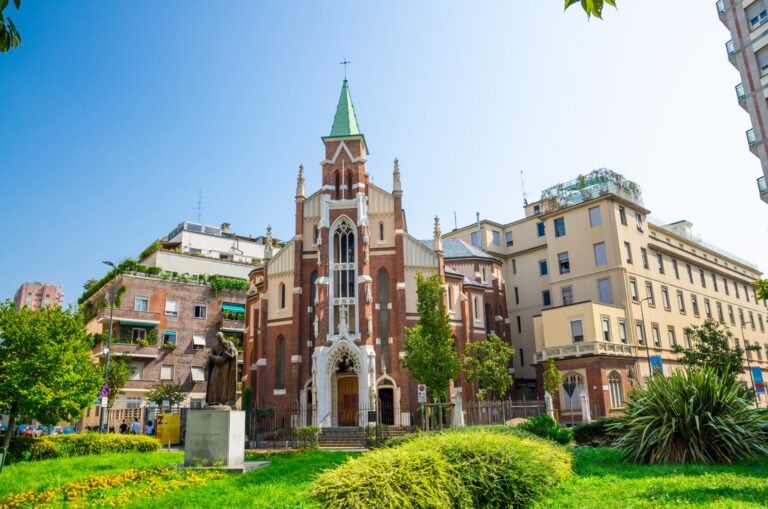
<point x="219" y="283"/>
<point x="595" y="433"/>
<point x="430" y="352"/>
<point x="155" y="246"/>
<point x="552" y="378"/>
<point x="487" y="363"/>
<point x="545" y="427"/>
<point x="711" y="347"/>
<point x="46" y="366"/>
<point x="591" y="7"/>
<point x="692" y="416"/>
<point x="308" y="436"/>
<point x="169" y="392"/>
<point x="469" y="468"/>
<point x="761" y="289"/>
<point x="78" y="444"/>
<point x="9" y="35"/>
<point x="120" y="370"/>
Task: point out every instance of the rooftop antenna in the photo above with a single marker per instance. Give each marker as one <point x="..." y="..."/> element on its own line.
<point x="455" y="223"/>
<point x="344" y="63"/>
<point x="522" y="183"/>
<point x="199" y="207"/>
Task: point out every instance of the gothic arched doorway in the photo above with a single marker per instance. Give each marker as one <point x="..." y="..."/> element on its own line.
<point x="346" y="392"/>
<point x="387" y="403"/>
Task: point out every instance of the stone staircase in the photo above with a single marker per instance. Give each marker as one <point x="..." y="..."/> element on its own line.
<point x="351" y="438"/>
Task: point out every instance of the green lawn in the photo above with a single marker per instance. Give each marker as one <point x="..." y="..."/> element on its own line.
<point x="603" y="480"/>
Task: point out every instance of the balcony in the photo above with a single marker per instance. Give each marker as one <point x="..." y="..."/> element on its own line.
<point x="729" y="47"/>
<point x="720" y="4"/>
<point x="584" y="349"/>
<point x="740" y="94"/>
<point x="763" y="189"/>
<point x="132" y="349"/>
<point x="751" y="139"/>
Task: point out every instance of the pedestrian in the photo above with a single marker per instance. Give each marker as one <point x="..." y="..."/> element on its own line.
<point x="150" y="430"/>
<point x="123" y="427"/>
<point x="136" y="427"/>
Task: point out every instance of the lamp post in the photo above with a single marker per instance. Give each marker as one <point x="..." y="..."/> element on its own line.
<point x="645" y="336"/>
<point x="746" y="354"/>
<point x="109" y="341"/>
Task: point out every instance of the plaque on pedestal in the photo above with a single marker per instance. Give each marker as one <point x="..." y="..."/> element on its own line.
<point x="216" y="439"/>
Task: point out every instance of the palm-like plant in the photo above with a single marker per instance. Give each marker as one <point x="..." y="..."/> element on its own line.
<point x="691" y="416"/>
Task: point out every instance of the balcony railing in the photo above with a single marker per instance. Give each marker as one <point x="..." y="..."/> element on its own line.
<point x="761" y="186"/>
<point x="751" y="138"/>
<point x="729" y="47"/>
<point x="586" y="349"/>
<point x="720" y="7"/>
<point x="740" y="95"/>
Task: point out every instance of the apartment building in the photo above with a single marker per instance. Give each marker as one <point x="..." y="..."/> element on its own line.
<point x="748" y="52"/>
<point x="169" y="306"/>
<point x="36" y="295"/>
<point x="606" y="291"/>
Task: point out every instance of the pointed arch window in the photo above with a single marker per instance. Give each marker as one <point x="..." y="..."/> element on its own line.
<point x="573" y="385"/>
<point x="348" y="183"/>
<point x="343" y="273"/>
<point x="615" y="389"/>
<point x="281" y="301"/>
<point x="280" y="363"/>
<point x="312" y="305"/>
<point x="337" y="185"/>
<point x="381" y="231"/>
<point x="383" y="332"/>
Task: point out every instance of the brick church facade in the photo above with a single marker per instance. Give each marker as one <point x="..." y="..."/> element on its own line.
<point x="327" y="312"/>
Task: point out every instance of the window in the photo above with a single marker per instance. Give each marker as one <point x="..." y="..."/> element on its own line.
<point x="559" y="227"/>
<point x="730" y="315"/>
<point x="623" y="216"/>
<point x="383" y="325"/>
<point x="680" y="302"/>
<point x="762" y="61"/>
<point x="687" y="340"/>
<point x="198" y="374"/>
<point x="198" y="341"/>
<point x="281" y="296"/>
<point x="508" y="238"/>
<point x="640" y="332"/>
<point x="675" y="268"/>
<point x="633" y="289"/>
<point x="522" y="358"/>
<point x="166" y="372"/>
<point x="600" y="257"/>
<point x="140" y="304"/>
<point x="725" y="286"/>
<point x="703" y="279"/>
<point x="656" y="335"/>
<point x="628" y="252"/>
<point x="138" y="334"/>
<point x="615" y="389"/>
<point x="381" y="231"/>
<point x="639" y="221"/>
<point x="604" y="289"/>
<point x="707" y="308"/>
<point x="137" y="371"/>
<point x="488" y="318"/>
<point x="623" y="330"/>
<point x="690" y="272"/>
<point x="567" y="294"/>
<point x="315" y="235"/>
<point x="720" y="312"/>
<point x="280" y="363"/>
<point x="644" y="257"/>
<point x="606" y="323"/>
<point x="746" y="293"/>
<point x="751" y="320"/>
<point x="475" y="312"/>
<point x="519" y="325"/>
<point x="760" y="320"/>
<point x="543" y="271"/>
<point x="671" y="336"/>
<point x="514" y="266"/>
<point x="594" y="216"/>
<point x="546" y="298"/>
<point x="741" y="317"/>
<point x="564" y="263"/>
<point x="665" y="298"/>
<point x="695" y="305"/>
<point x="757" y="14"/>
<point x="450" y="294"/>
<point x="517" y="296"/>
<point x="540" y="230"/>
<point x="649" y="294"/>
<point x="660" y="262"/>
<point x="748" y="350"/>
<point x="132" y="402"/>
<point x="736" y="289"/>
<point x="536" y="210"/>
<point x="475" y="239"/>
<point x="201" y="311"/>
<point x="496" y="238"/>
<point x="169" y="337"/>
<point x="714" y="281"/>
<point x="577" y="331"/>
<point x="573" y="386"/>
<point x="171" y="307"/>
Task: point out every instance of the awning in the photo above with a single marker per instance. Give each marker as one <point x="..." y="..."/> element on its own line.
<point x="237" y="308"/>
<point x="198" y="375"/>
<point x="140" y="323"/>
<point x="198" y="340"/>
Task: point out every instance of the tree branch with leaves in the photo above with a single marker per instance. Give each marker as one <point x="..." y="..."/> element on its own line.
<point x="9" y="35"/>
<point x="591" y="7"/>
<point x="487" y="363"/>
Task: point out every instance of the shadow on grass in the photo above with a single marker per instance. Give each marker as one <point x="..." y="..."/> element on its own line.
<point x="724" y="494"/>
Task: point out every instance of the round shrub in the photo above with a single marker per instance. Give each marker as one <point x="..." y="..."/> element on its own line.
<point x="545" y="427"/>
<point x="462" y="469"/>
<point x="595" y="433"/>
<point x="77" y="444"/>
<point x="691" y="416"/>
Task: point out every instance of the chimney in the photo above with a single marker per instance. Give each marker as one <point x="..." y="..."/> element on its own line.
<point x="225" y="227"/>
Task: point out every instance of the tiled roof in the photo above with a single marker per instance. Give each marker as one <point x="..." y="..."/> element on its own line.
<point x="457" y="248"/>
<point x="345" y="121"/>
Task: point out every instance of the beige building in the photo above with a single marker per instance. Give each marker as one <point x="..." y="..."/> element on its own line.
<point x="747" y="50"/>
<point x="598" y="286"/>
<point x="37" y="295"/>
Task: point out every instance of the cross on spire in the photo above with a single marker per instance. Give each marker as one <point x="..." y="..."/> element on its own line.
<point x="344" y="63"/>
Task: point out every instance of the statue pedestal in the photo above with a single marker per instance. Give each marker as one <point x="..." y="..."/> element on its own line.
<point x="215" y="438"/>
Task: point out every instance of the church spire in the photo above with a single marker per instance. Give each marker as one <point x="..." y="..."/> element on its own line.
<point x="300" y="183"/>
<point x="345" y="120"/>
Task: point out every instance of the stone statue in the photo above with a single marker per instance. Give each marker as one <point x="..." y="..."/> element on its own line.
<point x="222" y="373"/>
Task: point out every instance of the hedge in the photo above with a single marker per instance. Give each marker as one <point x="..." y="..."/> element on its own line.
<point x="468" y="468"/>
<point x="78" y="444"/>
<point x="545" y="426"/>
<point x="595" y="433"/>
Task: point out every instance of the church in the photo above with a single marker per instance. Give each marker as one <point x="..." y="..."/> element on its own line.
<point x="327" y="312"/>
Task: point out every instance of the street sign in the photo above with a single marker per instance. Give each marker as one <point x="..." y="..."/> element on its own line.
<point x="104" y="402"/>
<point x="105" y="391"/>
<point x="757" y="374"/>
<point x="422" y="393"/>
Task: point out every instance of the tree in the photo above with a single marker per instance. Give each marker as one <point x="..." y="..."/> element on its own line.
<point x="487" y="363"/>
<point x="430" y="352"/>
<point x="120" y="371"/>
<point x="552" y="379"/>
<point x="9" y="36"/>
<point x="761" y="289"/>
<point x="711" y="347"/>
<point x="46" y="369"/>
<point x="169" y="392"/>
<point x="591" y="7"/>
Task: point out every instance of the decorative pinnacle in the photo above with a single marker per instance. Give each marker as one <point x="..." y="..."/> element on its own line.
<point x="396" y="185"/>
<point x="268" y="242"/>
<point x="300" y="183"/>
<point x="438" y="240"/>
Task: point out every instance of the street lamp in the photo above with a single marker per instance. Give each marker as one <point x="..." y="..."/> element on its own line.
<point x="109" y="340"/>
<point x="746" y="354"/>
<point x="645" y="336"/>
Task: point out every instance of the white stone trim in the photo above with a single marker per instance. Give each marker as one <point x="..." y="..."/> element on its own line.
<point x="279" y="392"/>
<point x="295" y="359"/>
<point x="322" y="280"/>
<point x="261" y="362"/>
<point x="363" y="278"/>
<point x="400" y="286"/>
<point x="297" y="290"/>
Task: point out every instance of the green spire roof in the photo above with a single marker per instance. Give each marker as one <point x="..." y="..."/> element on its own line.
<point x="345" y="121"/>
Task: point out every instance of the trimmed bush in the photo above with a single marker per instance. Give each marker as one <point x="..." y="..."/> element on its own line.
<point x="78" y="444"/>
<point x="308" y="436"/>
<point x="463" y="469"/>
<point x="595" y="433"/>
<point x="545" y="427"/>
<point x="691" y="416"/>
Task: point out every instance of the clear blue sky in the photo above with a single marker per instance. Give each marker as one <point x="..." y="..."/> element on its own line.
<point x="114" y="115"/>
